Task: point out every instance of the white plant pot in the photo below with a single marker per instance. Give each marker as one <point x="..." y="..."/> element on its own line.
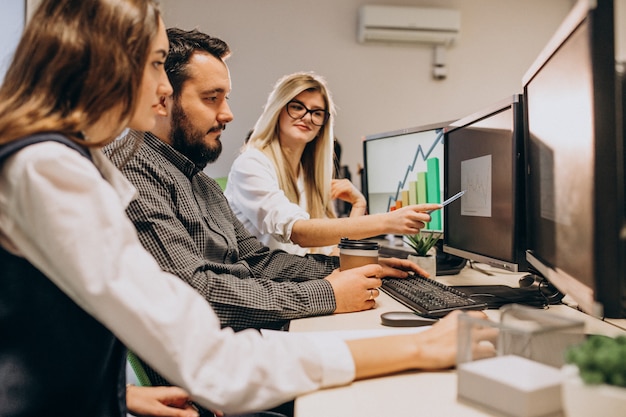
<point x="427" y="263"/>
<point x="581" y="400"/>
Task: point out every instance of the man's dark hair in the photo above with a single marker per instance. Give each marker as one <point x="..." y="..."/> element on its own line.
<point x="183" y="44"/>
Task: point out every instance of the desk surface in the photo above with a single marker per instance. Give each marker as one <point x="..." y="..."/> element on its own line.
<point x="414" y="393"/>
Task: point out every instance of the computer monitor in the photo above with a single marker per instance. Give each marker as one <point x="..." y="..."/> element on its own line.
<point x="405" y="167"/>
<point x="575" y="162"/>
<point x="484" y="156"/>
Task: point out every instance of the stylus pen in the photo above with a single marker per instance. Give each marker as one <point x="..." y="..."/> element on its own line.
<point x="450" y="200"/>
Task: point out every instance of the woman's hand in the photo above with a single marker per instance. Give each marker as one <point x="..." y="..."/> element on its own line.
<point x="159" y="401"/>
<point x="344" y="190"/>
<point x="408" y="220"/>
<point x="438" y="345"/>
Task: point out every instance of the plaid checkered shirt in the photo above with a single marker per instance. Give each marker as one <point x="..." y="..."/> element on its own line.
<point x="185" y="222"/>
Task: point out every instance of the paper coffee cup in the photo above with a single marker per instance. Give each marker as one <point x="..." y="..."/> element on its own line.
<point x="355" y="253"/>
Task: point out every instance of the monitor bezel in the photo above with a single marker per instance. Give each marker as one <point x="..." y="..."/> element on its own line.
<point x="604" y="300"/>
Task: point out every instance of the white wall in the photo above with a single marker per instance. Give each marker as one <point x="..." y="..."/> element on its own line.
<point x="377" y="87"/>
<point x="11" y="24"/>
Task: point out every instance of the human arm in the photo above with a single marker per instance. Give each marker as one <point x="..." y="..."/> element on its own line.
<point x="408" y="220"/>
<point x="187" y="225"/>
<point x="159" y="402"/>
<point x="432" y="349"/>
<point x="185" y="222"/>
<point x="58" y="212"/>
<point x="253" y="190"/>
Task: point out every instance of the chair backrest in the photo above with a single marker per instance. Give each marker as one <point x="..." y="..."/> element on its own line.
<point x="135" y="363"/>
<point x="221" y="182"/>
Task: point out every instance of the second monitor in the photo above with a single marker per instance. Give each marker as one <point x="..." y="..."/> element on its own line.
<point x="405" y="167"/>
<point x="483" y="154"/>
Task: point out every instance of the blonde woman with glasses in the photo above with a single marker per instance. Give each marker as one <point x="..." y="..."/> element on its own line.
<point x="281" y="187"/>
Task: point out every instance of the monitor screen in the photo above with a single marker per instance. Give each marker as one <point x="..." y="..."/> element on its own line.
<point x="575" y="182"/>
<point x="483" y="157"/>
<point x="405" y="167"/>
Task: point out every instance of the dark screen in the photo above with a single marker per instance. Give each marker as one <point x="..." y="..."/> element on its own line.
<point x="574" y="153"/>
<point x="482" y="158"/>
<point x="561" y="157"/>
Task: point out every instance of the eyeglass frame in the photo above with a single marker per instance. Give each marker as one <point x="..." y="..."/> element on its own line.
<point x="307" y="111"/>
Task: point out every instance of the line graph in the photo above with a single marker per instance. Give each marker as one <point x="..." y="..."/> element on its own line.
<point x="391" y="202"/>
<point x="476" y="179"/>
<point x="405" y="167"/>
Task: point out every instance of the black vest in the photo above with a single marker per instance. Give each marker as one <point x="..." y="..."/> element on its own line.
<point x="55" y="359"/>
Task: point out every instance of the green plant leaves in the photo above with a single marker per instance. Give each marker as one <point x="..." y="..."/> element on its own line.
<point x="422" y="243"/>
<point x="600" y="360"/>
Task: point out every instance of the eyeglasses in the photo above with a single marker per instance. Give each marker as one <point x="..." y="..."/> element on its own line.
<point x="297" y="110"/>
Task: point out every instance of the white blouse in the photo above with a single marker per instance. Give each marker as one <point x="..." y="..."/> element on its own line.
<point x="58" y="212"/>
<point x="257" y="200"/>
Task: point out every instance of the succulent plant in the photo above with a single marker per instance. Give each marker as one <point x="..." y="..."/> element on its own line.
<point x="422" y="242"/>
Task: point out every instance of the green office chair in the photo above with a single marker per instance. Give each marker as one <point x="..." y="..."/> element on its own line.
<point x="135" y="363"/>
<point x="221" y="181"/>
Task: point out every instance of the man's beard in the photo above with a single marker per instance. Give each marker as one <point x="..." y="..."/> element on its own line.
<point x="190" y="141"/>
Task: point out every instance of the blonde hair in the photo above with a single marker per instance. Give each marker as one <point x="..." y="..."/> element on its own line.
<point x="317" y="158"/>
<point x="77" y="60"/>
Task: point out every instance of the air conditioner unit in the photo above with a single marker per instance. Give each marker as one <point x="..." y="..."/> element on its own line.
<point x="408" y="24"/>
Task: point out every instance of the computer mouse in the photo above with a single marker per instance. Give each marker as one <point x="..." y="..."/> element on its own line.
<point x="405" y="319"/>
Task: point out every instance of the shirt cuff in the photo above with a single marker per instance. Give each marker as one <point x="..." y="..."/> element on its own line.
<point x="335" y="357"/>
<point x="282" y="232"/>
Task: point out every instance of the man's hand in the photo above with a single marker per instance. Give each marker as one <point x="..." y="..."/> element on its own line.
<point x="356" y="289"/>
<point x="397" y="268"/>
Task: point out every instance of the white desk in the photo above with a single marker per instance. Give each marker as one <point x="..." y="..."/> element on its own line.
<point x="431" y="394"/>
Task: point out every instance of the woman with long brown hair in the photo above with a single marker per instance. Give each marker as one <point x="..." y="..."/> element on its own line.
<point x="76" y="285"/>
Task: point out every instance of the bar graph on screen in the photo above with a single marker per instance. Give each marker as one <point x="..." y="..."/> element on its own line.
<point x="404" y="168"/>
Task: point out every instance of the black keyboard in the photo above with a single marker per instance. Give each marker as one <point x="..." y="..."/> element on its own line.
<point x="428" y="297"/>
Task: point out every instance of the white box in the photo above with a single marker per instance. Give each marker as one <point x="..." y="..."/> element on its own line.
<point x="511" y="384"/>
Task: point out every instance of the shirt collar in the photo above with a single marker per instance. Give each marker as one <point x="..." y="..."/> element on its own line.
<point x="180" y="161"/>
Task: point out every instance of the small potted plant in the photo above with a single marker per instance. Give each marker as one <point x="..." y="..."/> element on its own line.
<point x="425" y="253"/>
<point x="595" y="377"/>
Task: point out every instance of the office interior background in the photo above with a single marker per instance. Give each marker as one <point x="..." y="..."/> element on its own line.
<point x="377" y="87"/>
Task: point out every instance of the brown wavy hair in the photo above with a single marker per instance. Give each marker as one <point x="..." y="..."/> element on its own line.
<point x="76" y="61"/>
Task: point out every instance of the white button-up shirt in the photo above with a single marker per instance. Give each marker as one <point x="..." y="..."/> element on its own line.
<point x="67" y="218"/>
<point x="257" y="200"/>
